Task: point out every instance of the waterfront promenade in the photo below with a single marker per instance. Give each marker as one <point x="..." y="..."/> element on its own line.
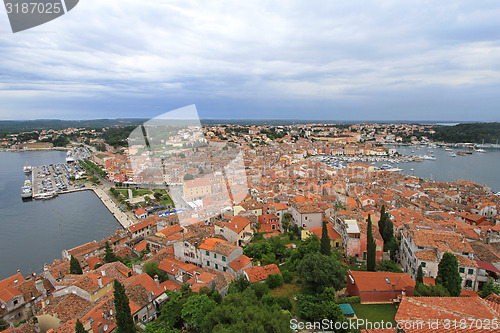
<point x="103" y="193"/>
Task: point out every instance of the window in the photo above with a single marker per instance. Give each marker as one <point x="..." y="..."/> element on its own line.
<point x="364" y="255"/>
<point x="423" y="264"/>
<point x="206" y="253"/>
<point x="215" y="255"/>
<point x="471" y="271"/>
<point x="461" y="270"/>
<point x="216" y="266"/>
<point x="420" y="247"/>
<point x="468" y="283"/>
<point x="466" y="253"/>
<point x="224" y="269"/>
<point x="15" y="302"/>
<point x="208" y="263"/>
<point x="223" y="258"/>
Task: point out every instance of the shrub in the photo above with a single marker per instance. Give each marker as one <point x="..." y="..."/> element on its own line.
<point x="350" y="300"/>
<point x="274" y="280"/>
<point x="284" y="302"/>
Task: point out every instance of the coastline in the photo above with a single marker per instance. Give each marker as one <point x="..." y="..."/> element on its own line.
<point x="120" y="216"/>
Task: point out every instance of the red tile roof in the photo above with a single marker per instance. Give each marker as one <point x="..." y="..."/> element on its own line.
<point x="240" y="262"/>
<point x="428" y="309"/>
<point x="260" y="273"/>
<point x="378" y="281"/>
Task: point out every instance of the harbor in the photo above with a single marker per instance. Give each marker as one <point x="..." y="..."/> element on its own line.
<point x="49" y="181"/>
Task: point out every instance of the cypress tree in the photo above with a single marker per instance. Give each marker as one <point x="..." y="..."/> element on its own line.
<point x="388" y="234"/>
<point x="448" y="274"/>
<point x="74" y="266"/>
<point x="109" y="256"/>
<point x="325" y="241"/>
<point x="420" y="275"/>
<point x="382" y="222"/>
<point x="79" y="327"/>
<point x="124" y="320"/>
<point x="371" y="248"/>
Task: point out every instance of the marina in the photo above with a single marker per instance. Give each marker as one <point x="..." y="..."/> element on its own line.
<point x="39" y="229"/>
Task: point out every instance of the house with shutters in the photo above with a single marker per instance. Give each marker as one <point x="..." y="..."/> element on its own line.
<point x="217" y="254"/>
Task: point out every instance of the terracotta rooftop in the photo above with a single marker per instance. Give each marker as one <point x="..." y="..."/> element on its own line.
<point x="381" y="281"/>
<point x="240" y="262"/>
<point x="443" y="308"/>
<point x="260" y="273"/>
<point x="67" y="307"/>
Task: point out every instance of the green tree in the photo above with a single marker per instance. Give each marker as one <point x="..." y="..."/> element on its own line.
<point x="320" y="271"/>
<point x="273" y="281"/>
<point x="388" y="266"/>
<point x="260" y="289"/>
<point x="448" y="274"/>
<point x="388" y="233"/>
<point x="420" y="275"/>
<point x="195" y="309"/>
<point x="382" y="221"/>
<point x="489" y="288"/>
<point x="74" y="266"/>
<point x="3" y="325"/>
<point x="285" y="222"/>
<point x="325" y="240"/>
<point x="371" y="247"/>
<point x="79" y="327"/>
<point x="243" y="312"/>
<point x="109" y="256"/>
<point x="188" y="176"/>
<point x="124" y="320"/>
<point x="437" y="290"/>
<point x="239" y="285"/>
<point x="315" y="308"/>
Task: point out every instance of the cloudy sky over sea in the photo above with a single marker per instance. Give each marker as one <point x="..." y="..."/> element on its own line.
<point x="338" y="60"/>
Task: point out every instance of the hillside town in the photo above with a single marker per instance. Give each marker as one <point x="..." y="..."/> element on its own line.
<point x="217" y="226"/>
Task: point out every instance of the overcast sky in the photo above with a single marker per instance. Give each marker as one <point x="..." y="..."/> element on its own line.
<point x="335" y="60"/>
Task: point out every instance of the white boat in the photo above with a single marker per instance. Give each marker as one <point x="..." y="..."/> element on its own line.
<point x="45" y="195"/>
<point x="69" y="157"/>
<point x="27" y="191"/>
<point x="480" y="150"/>
<point x="385" y="167"/>
<point x="453" y="155"/>
<point x="27" y="168"/>
<point x="448" y="149"/>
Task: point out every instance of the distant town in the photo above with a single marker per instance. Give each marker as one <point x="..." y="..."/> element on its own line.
<point x="314" y="222"/>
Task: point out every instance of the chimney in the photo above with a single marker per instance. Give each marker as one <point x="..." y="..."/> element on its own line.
<point x="156" y="280"/>
<point x="99" y="281"/>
